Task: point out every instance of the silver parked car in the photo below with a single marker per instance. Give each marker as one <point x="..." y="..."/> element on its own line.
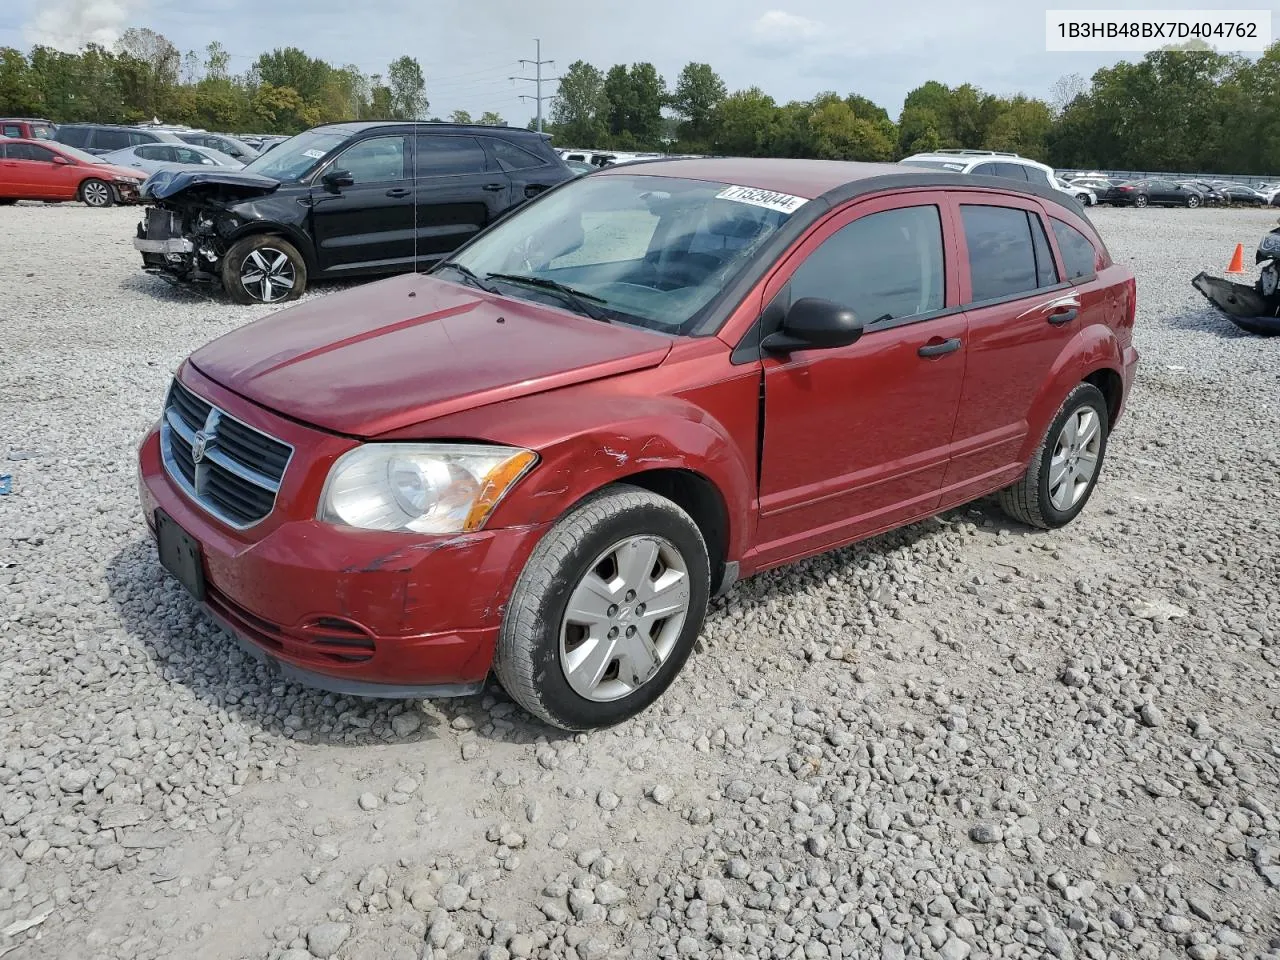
<point x="153" y="157"/>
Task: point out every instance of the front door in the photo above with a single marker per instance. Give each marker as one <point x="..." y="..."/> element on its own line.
<point x="366" y="225"/>
<point x="856" y="438"/>
<point x="41" y="173"/>
<point x="460" y="192"/>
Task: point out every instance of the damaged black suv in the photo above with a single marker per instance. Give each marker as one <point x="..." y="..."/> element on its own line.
<point x="341" y="200"/>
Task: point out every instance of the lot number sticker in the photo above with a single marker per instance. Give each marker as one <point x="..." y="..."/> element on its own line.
<point x="782" y="202"/>
<point x="313" y="154"/>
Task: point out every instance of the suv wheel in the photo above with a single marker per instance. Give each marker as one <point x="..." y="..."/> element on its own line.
<point x="263" y="269"/>
<point x="1062" y="474"/>
<point x="96" y="193"/>
<point x="606" y="611"/>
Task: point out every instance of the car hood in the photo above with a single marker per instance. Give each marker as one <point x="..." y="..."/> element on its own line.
<point x="115" y="170"/>
<point x="168" y="183"/>
<point x="392" y="354"/>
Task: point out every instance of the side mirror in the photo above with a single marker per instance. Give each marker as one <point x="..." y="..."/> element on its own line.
<point x="813" y="324"/>
<point x="337" y="179"/>
<point x="60" y="160"/>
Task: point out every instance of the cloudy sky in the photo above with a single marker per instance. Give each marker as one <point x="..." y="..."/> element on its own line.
<point x="790" y="48"/>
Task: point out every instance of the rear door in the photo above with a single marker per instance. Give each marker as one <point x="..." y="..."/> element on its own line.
<point x="367" y="225"/>
<point x="529" y="174"/>
<point x="12" y="184"/>
<point x="1021" y="314"/>
<point x="460" y="191"/>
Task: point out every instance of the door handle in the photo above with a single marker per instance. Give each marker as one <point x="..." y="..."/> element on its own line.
<point x="398" y="192"/>
<point x="939" y="348"/>
<point x="1061" y="315"/>
<point x="495" y="187"/>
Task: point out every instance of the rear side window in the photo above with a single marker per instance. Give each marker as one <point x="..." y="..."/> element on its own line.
<point x="883" y="266"/>
<point x="511" y="157"/>
<point x="12" y="130"/>
<point x="442" y="156"/>
<point x="41" y="131"/>
<point x="113" y="140"/>
<point x="1078" y="253"/>
<point x="74" y="136"/>
<point x="1003" y="246"/>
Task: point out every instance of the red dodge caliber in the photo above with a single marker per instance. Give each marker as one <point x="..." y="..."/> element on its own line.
<point x="542" y="457"/>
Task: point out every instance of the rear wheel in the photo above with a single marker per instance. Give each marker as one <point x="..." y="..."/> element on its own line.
<point x="263" y="269"/>
<point x="606" y="611"/>
<point x="1062" y="474"/>
<point x="96" y="193"/>
<point x="1140" y="201"/>
<point x="1193" y="201"/>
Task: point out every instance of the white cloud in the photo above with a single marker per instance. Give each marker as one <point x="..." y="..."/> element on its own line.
<point x="778" y="32"/>
<point x="70" y="24"/>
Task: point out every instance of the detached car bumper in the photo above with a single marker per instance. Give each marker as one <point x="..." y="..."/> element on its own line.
<point x="357" y="612"/>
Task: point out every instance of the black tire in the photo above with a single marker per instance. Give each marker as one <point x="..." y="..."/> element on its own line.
<point x="1140" y="201"/>
<point x="7" y="201"/>
<point x="527" y="661"/>
<point x="1028" y="500"/>
<point x="268" y="247"/>
<point x="97" y="193"/>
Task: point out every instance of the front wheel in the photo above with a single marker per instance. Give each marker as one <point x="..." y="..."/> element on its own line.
<point x="96" y="193"/>
<point x="1062" y="474"/>
<point x="263" y="269"/>
<point x="606" y="611"/>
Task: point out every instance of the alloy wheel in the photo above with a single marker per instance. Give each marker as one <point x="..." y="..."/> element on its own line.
<point x="624" y="618"/>
<point x="1075" y="458"/>
<point x="96" y="194"/>
<point x="267" y="274"/>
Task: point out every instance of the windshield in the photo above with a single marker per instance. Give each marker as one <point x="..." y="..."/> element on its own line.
<point x="648" y="251"/>
<point x="294" y="158"/>
<point x="80" y="156"/>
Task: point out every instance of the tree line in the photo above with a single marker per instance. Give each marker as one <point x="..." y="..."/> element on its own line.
<point x="1190" y="110"/>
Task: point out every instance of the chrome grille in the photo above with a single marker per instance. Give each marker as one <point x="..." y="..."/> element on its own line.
<point x="228" y="467"/>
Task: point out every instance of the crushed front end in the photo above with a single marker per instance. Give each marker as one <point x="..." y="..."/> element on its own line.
<point x="180" y="245"/>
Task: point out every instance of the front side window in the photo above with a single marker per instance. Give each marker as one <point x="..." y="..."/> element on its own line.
<point x="884" y="266"/>
<point x="443" y="156"/>
<point x="650" y="251"/>
<point x="74" y="136"/>
<point x="152" y="151"/>
<point x="1011" y="171"/>
<point x="29" y="151"/>
<point x="1006" y="257"/>
<point x="376" y="160"/>
<point x="1078" y="254"/>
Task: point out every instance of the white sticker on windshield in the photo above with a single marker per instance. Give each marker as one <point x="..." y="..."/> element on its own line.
<point x="313" y="154"/>
<point x="771" y="200"/>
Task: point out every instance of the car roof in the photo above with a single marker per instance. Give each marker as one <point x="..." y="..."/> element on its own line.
<point x="833" y="180"/>
<point x="25" y="120"/>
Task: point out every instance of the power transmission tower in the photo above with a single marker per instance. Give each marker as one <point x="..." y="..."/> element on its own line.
<point x="537" y="79"/>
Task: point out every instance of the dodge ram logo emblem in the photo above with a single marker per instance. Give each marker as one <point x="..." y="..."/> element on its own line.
<point x="199" y="443"/>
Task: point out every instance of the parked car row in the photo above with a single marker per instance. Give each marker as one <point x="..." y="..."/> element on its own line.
<point x="1163" y="191"/>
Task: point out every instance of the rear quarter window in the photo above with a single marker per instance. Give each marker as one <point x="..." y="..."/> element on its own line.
<point x="510" y="157"/>
<point x="1079" y="256"/>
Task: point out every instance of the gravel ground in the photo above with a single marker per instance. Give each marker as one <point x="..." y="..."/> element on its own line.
<point x="963" y="739"/>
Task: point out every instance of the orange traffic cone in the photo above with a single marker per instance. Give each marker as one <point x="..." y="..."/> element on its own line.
<point x="1237" y="260"/>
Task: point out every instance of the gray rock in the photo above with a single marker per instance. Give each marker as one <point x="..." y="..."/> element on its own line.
<point x="325" y="939"/>
<point x="406" y="724"/>
<point x="984" y="831"/>
<point x="368" y="802"/>
<point x="452" y="896"/>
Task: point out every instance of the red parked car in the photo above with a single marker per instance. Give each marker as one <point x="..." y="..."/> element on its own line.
<point x="30" y="128"/>
<point x="43" y="170"/>
<point x="544" y="457"/>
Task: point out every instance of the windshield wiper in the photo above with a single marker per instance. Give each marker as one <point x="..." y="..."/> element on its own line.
<point x="469" y="275"/>
<point x="577" y="298"/>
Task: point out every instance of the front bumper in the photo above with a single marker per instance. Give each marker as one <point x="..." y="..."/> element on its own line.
<point x="171" y="245"/>
<point x="357" y="612"/>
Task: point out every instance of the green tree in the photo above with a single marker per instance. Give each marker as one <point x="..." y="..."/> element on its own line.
<point x="19" y="91"/>
<point x="293" y="68"/>
<point x="1022" y="126"/>
<point x="580" y="110"/>
<point x="408" y="89"/>
<point x="747" y="123"/>
<point x="460" y="116"/>
<point x="490" y="119"/>
<point x="699" y="91"/>
<point x="837" y="133"/>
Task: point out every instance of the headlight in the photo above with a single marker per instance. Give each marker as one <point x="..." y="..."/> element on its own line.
<point x="421" y="487"/>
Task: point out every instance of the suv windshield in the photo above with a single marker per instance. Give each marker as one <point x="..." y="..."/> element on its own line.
<point x="294" y="158"/>
<point x="649" y="251"/>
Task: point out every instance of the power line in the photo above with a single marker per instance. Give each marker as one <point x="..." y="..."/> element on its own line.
<point x="538" y="80"/>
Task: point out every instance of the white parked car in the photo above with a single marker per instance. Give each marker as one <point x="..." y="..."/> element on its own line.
<point x="154" y="157"/>
<point x="990" y="163"/>
<point x="1082" y="193"/>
